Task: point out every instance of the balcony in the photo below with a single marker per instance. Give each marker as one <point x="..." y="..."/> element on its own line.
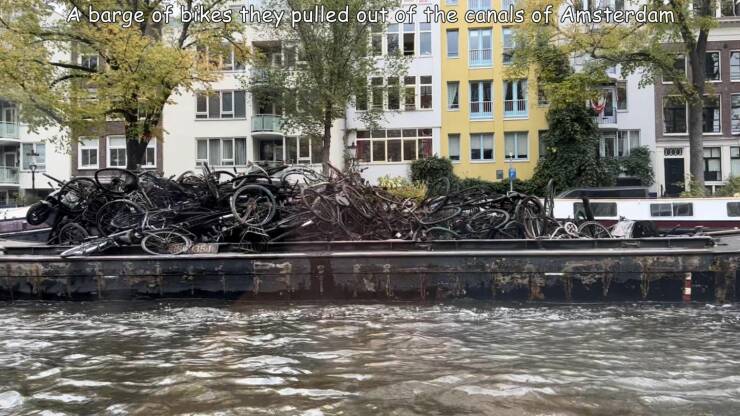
<point x="481" y="110"/>
<point x="515" y="108"/>
<point x="605" y="118"/>
<point x="8" y="130"/>
<point x="480" y="57"/>
<point x="267" y="123"/>
<point x="9" y="175"/>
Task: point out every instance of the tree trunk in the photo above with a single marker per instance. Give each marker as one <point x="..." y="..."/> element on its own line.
<point x="135" y="148"/>
<point x="696" y="142"/>
<point x="326" y="142"/>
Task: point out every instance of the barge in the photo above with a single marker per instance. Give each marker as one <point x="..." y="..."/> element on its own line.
<point x="654" y="269"/>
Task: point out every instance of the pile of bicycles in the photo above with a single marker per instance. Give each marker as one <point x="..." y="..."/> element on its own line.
<point x="250" y="210"/>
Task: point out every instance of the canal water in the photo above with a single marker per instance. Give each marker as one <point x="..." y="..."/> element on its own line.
<point x="190" y="357"/>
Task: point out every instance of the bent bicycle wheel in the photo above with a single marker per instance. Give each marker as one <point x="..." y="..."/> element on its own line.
<point x="116" y="181"/>
<point x="38" y="213"/>
<point x="253" y="205"/>
<point x="119" y="215"/>
<point x="76" y="193"/>
<point x="166" y="242"/>
<point x="593" y="229"/>
<point x="72" y="233"/>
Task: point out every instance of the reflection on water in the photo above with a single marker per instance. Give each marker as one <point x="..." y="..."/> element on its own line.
<point x="189" y="357"/>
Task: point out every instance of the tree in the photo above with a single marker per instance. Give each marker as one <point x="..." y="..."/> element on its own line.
<point x="650" y="49"/>
<point x="64" y="67"/>
<point x="572" y="158"/>
<point x="326" y="68"/>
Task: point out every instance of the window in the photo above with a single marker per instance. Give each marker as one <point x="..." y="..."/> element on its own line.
<point x="89" y="61"/>
<point x="479" y="4"/>
<point x="453" y="95"/>
<point x="394" y="94"/>
<point x="410" y="93"/>
<point x="507" y="4"/>
<point x="425" y="92"/>
<point x="302" y="150"/>
<point x="735" y="114"/>
<point x="508" y="45"/>
<point x="676" y="209"/>
<point x="451" y="2"/>
<point x="453" y="43"/>
<point x="383" y="146"/>
<point x="116" y="152"/>
<point x="392" y="38"/>
<point x="150" y="156"/>
<point x="735" y="161"/>
<point x="733" y="209"/>
<point x="711" y="120"/>
<point x="230" y="62"/>
<point x="425" y="39"/>
<point x="515" y="98"/>
<point x="33" y="154"/>
<point x="679" y="65"/>
<point x="516" y="146"/>
<point x="376" y="40"/>
<point x="88" y="153"/>
<point x="377" y="91"/>
<point x="729" y="8"/>
<point x="453" y="145"/>
<point x="674" y="115"/>
<point x="481" y="100"/>
<point x="620" y="144"/>
<point x="735" y="66"/>
<point x="598" y="209"/>
<point x="481" y="147"/>
<point x="711" y="66"/>
<point x="541" y="96"/>
<point x="409" y="35"/>
<point x="479" y="44"/>
<point x="621" y="96"/>
<point x="222" y="151"/>
<point x="712" y="164"/>
<point x="221" y="105"/>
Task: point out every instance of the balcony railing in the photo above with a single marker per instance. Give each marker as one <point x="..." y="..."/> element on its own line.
<point x="480" y="57"/>
<point x="9" y="175"/>
<point x="266" y="123"/>
<point x="8" y="130"/>
<point x="481" y="109"/>
<point x="606" y="119"/>
<point x="515" y="108"/>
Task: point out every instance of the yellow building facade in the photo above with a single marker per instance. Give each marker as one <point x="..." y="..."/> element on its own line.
<point x="487" y="115"/>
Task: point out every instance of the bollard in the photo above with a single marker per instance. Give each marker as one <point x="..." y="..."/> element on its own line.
<point x="687" y="288"/>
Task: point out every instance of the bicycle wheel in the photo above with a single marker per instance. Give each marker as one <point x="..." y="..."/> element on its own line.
<point x="119" y="215"/>
<point x="38" y="213"/>
<point x="116" y="181"/>
<point x="593" y="229"/>
<point x="440" y="215"/>
<point x="166" y="242"/>
<point x="358" y="202"/>
<point x="435" y="234"/>
<point x="75" y="194"/>
<point x="253" y="205"/>
<point x="72" y="233"/>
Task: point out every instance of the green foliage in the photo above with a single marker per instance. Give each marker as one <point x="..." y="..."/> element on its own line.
<point x="430" y="169"/>
<point x="695" y="189"/>
<point x="403" y="188"/>
<point x="638" y="165"/>
<point x="731" y="188"/>
<point x="572" y="158"/>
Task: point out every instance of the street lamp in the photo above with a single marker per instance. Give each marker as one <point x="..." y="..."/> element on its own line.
<point x="33" y="166"/>
<point x="352" y="152"/>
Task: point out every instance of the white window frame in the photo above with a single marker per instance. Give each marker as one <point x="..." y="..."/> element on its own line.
<point x="686" y="112"/>
<point x="151" y="145"/>
<point x="430" y="85"/>
<point x="510" y="48"/>
<point x="719" y="100"/>
<point x="417" y="140"/>
<point x="82" y="145"/>
<point x="478" y="138"/>
<point x="457" y="44"/>
<point x="449" y="98"/>
<point x="199" y="162"/>
<point x="517" y="137"/>
<point x="734" y="52"/>
<point x="732" y="129"/>
<point x="479" y="47"/>
<point x="719" y="67"/>
<point x="221" y="117"/>
<point x="450" y="138"/>
<point x="108" y="149"/>
<point x="23" y="157"/>
<point x="425" y="28"/>
<point x="685" y="68"/>
<point x="87" y="55"/>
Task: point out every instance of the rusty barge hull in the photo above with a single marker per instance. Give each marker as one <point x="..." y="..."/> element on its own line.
<point x="575" y="270"/>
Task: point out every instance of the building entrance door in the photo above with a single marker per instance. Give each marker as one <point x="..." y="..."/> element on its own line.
<point x="674" y="176"/>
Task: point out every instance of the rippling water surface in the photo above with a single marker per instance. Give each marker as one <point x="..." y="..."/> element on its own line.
<point x="222" y="358"/>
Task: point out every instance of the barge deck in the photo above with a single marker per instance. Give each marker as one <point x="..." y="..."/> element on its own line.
<point x="536" y="270"/>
